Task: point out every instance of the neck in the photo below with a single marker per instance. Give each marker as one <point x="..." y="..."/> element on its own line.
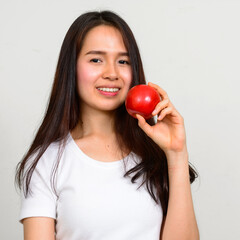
<point x="95" y="123"/>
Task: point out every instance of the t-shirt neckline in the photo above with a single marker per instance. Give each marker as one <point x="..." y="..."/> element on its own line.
<point x="78" y="151"/>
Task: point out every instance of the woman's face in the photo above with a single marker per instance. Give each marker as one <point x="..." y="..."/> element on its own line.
<point x="104" y="72"/>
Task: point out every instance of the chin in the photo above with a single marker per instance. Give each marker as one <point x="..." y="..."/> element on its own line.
<point x="111" y="108"/>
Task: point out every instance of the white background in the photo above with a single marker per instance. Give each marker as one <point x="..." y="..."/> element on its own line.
<point x="191" y="48"/>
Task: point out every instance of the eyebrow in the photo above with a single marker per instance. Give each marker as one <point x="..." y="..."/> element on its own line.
<point x="104" y="53"/>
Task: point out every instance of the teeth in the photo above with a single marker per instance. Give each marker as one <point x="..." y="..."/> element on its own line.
<point x="109" y="89"/>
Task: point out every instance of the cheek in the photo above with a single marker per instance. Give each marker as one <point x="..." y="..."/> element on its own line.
<point x="127" y="75"/>
<point x="86" y="75"/>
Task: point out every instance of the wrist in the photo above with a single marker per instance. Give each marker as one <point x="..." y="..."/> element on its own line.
<point x="183" y="153"/>
<point x="177" y="160"/>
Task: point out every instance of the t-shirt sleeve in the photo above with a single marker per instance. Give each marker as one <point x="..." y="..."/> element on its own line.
<point x="42" y="200"/>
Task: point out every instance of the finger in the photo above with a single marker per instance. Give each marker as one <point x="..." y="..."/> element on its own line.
<point x="160" y="106"/>
<point x="164" y="112"/>
<point x="143" y="124"/>
<point x="162" y="93"/>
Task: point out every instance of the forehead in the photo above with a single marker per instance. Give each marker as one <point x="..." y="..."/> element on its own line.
<point x="106" y="38"/>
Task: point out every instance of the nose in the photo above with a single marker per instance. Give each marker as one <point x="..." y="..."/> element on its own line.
<point x="110" y="72"/>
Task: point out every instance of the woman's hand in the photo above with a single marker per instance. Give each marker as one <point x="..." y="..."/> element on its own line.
<point x="168" y="132"/>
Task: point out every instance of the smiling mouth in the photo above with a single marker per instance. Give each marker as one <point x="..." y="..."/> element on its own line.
<point x="110" y="90"/>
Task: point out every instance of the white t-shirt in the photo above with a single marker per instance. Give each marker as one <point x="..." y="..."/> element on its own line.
<point x="95" y="201"/>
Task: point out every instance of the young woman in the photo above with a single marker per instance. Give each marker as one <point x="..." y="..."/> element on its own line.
<point x="93" y="172"/>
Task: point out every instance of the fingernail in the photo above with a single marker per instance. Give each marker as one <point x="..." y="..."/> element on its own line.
<point x="154" y="112"/>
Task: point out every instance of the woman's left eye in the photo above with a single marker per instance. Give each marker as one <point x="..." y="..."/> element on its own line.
<point x="123" y="62"/>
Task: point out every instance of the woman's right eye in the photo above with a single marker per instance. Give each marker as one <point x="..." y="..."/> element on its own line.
<point x="95" y="60"/>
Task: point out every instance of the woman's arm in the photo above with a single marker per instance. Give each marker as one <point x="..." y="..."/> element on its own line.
<point x="39" y="228"/>
<point x="180" y="222"/>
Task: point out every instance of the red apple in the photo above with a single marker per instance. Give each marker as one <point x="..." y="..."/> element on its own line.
<point x="142" y="100"/>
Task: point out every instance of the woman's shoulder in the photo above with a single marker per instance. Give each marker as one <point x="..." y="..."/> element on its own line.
<point x="50" y="155"/>
<point x="132" y="159"/>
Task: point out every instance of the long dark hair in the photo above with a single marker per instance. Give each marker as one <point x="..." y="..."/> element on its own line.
<point x="63" y="112"/>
